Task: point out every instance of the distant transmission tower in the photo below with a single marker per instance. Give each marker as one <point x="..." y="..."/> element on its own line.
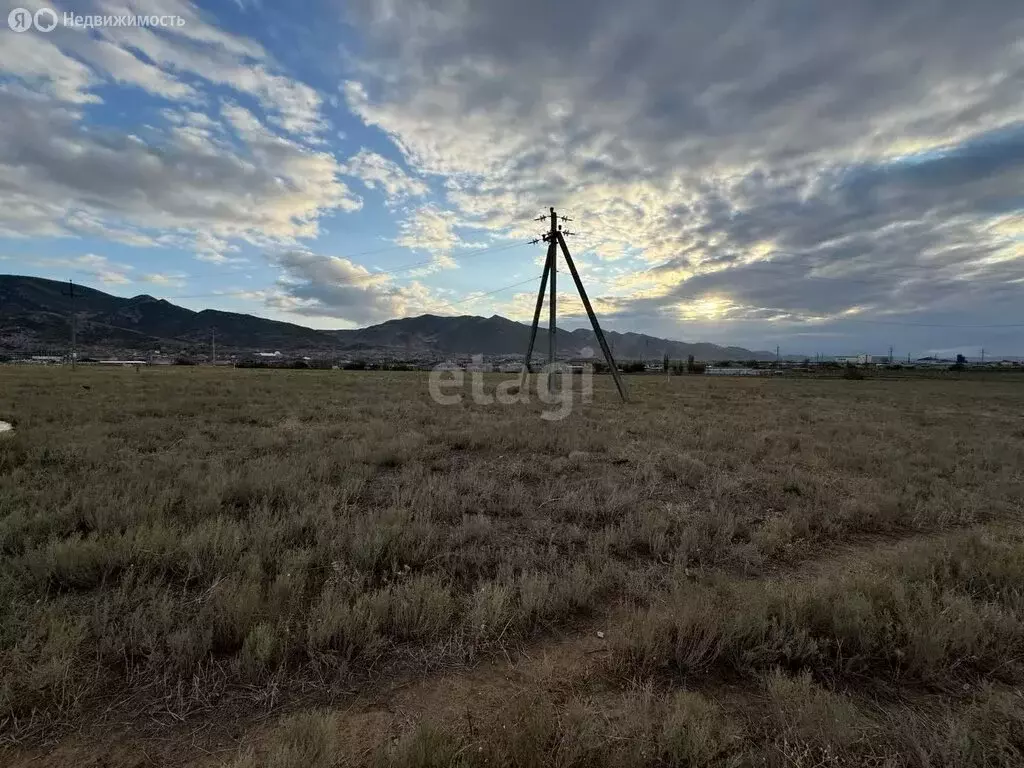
<point x="555" y="240"/>
<point x="74" y="324"/>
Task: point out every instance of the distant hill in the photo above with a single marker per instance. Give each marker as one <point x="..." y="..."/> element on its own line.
<point x="498" y="335"/>
<point x="35" y="312"/>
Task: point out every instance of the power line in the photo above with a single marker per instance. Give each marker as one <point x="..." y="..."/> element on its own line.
<point x="473" y="297"/>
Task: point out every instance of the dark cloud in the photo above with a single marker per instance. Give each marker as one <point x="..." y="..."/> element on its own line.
<point x="707" y="82"/>
<point x="789" y="160"/>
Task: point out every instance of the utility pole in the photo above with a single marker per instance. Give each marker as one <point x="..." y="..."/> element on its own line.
<point x="553" y="299"/>
<point x="213" y="345"/>
<point x="982" y="355"/>
<point x="74" y="324"/>
<point x="540" y="305"/>
<point x="776" y="354"/>
<point x="555" y="239"/>
<point x="890" y="354"/>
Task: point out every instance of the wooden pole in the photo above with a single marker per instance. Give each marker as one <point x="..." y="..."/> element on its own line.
<point x="555" y="240"/>
<point x="553" y="315"/>
<point x="536" y="313"/>
<point x="619" y="383"/>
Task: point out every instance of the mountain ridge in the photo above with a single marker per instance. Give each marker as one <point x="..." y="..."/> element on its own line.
<point x="35" y="312"/>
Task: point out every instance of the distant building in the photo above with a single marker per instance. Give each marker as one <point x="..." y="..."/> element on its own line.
<point x="268" y="354"/>
<point x="716" y="371"/>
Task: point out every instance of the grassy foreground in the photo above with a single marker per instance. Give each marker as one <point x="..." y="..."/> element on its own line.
<point x="188" y="545"/>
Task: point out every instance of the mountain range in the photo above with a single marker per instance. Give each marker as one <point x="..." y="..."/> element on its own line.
<point x="35" y="318"/>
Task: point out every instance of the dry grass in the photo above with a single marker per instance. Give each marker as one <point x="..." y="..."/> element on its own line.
<point x="191" y="537"/>
<point x="939" y="613"/>
<point x="638" y="727"/>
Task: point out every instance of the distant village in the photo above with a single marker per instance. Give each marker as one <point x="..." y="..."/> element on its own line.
<point x="514" y="363"/>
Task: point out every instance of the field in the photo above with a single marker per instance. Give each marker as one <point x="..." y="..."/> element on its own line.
<point x="317" y="568"/>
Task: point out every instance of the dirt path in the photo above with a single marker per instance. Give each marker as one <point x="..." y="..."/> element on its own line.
<point x="552" y="665"/>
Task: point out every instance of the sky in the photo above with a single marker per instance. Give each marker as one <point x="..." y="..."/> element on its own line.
<point x="832" y="178"/>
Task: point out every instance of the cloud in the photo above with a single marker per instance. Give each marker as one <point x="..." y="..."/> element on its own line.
<point x="124" y="68"/>
<point x="896" y="236"/>
<point x="211" y="250"/>
<point x="250" y="183"/>
<point x="35" y="60"/>
<point x="97" y="267"/>
<point x="738" y="167"/>
<point x="219" y="258"/>
<point x="779" y="163"/>
<point x="209" y="164"/>
<point x="292" y="105"/>
<point x="333" y="287"/>
<point x="87" y="223"/>
<point x="431" y="229"/>
<point x="377" y="172"/>
<point x="166" y="281"/>
<point x="70" y="62"/>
